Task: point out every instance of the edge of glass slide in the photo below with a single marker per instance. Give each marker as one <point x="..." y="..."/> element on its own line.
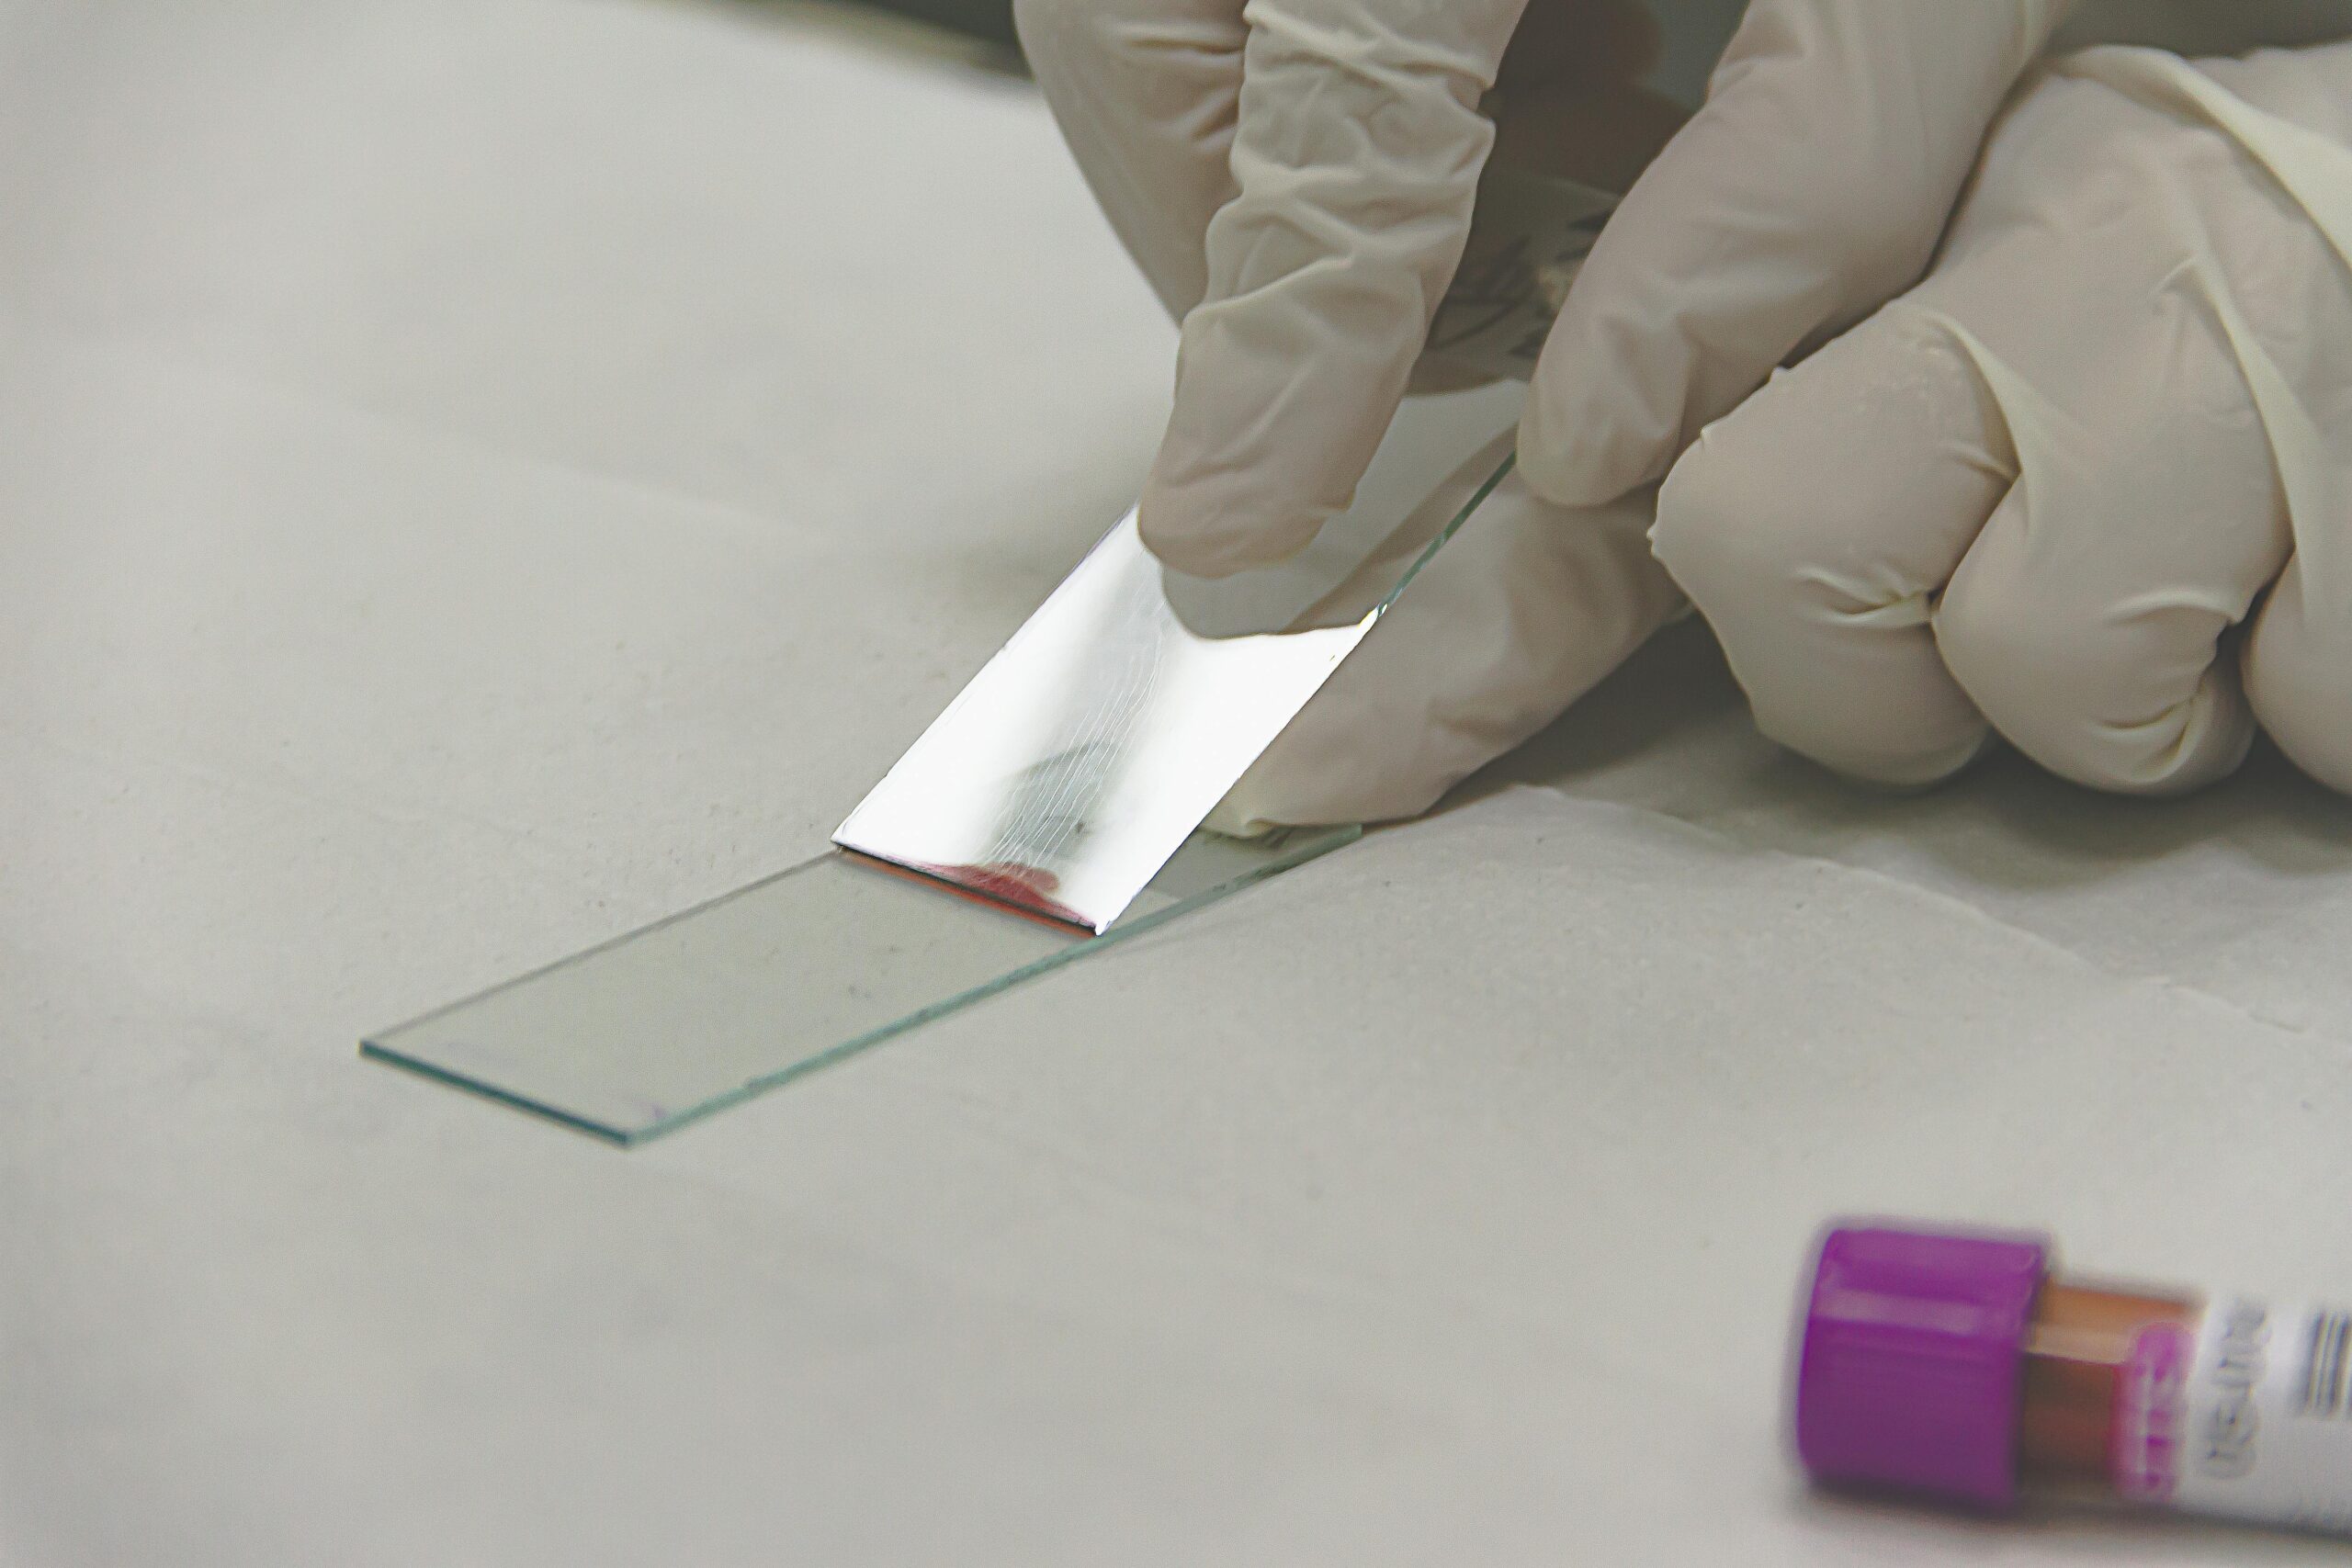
<point x="1280" y="853"/>
<point x="614" y="1053"/>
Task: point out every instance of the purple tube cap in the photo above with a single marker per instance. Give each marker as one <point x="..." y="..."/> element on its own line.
<point x="1912" y="1364"/>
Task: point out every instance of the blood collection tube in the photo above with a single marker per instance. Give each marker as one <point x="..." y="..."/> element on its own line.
<point x="1956" y="1366"/>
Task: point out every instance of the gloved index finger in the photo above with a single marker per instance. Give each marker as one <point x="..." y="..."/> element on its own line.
<point x="1356" y="160"/>
<point x="1146" y="93"/>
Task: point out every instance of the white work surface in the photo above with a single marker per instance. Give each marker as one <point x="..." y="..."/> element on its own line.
<point x="479" y="477"/>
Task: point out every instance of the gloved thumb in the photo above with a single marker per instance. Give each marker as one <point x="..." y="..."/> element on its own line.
<point x="1526" y="610"/>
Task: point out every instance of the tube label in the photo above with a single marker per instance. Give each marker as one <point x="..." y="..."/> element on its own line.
<point x="2151" y="1390"/>
<point x="2260" y="1425"/>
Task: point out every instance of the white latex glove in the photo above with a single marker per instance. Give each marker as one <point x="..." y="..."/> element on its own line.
<point x="1296" y="178"/>
<point x="2052" y="486"/>
<point x="1521" y="613"/>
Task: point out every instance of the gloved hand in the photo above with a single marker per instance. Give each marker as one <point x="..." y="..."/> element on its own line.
<point x="1521" y="613"/>
<point x="2091" y="482"/>
<point x="1296" y="177"/>
<point x="1303" y="174"/>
